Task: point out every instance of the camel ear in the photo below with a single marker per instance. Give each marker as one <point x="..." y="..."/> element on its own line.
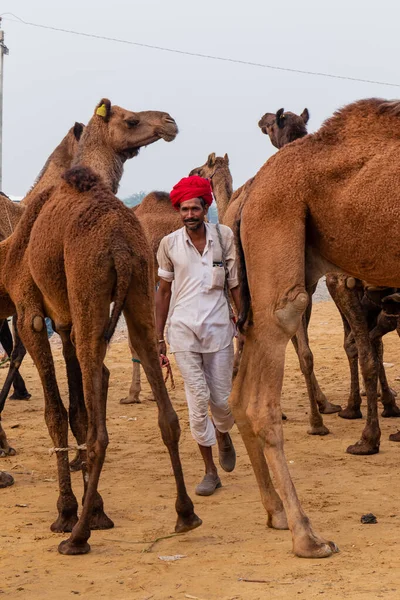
<point x="280" y="118"/>
<point x="226" y="159"/>
<point x="103" y="109"/>
<point x="305" y="115"/>
<point x="211" y="160"/>
<point x="78" y="129"/>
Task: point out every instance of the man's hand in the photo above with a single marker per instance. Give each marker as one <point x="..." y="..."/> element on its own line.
<point x="235" y="292"/>
<point x="162" y="348"/>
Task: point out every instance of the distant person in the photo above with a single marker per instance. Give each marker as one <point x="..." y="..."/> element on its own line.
<point x="200" y="328"/>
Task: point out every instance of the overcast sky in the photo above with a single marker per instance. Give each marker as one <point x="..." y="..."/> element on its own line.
<point x="53" y="79"/>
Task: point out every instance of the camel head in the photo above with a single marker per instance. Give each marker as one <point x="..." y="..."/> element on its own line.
<point x="126" y="131"/>
<point x="213" y="164"/>
<point x="284" y="127"/>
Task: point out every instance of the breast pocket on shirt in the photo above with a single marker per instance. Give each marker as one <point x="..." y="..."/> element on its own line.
<point x="218" y="277"/>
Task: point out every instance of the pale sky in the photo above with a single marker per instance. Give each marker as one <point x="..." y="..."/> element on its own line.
<point x="53" y="79"/>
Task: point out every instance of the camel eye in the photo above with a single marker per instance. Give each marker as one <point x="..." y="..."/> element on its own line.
<point x="132" y="122"/>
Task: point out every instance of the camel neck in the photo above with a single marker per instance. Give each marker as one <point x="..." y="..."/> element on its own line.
<point x="222" y="188"/>
<point x="96" y="153"/>
<point x="50" y="174"/>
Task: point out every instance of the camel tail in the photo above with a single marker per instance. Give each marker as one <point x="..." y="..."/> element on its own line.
<point x="80" y="178"/>
<point x="123" y="268"/>
<point x="245" y="298"/>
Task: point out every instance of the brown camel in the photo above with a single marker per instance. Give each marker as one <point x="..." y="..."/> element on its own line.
<point x="94" y="254"/>
<point x="158" y="218"/>
<point x="282" y="128"/>
<point x="325" y="203"/>
<point x="10" y="214"/>
<point x="59" y="160"/>
<point x="368" y="322"/>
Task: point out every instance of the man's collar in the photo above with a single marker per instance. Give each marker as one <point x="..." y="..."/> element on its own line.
<point x="209" y="238"/>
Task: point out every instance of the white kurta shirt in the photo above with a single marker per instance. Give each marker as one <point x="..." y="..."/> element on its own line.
<point x="199" y="314"/>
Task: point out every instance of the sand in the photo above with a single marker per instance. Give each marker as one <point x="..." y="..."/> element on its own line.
<point x="233" y="545"/>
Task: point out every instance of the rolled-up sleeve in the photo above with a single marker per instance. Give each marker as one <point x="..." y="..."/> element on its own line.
<point x="231" y="262"/>
<point x="165" y="266"/>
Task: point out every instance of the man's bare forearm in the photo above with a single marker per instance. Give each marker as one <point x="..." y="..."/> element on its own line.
<point x="235" y="292"/>
<point x="163" y="299"/>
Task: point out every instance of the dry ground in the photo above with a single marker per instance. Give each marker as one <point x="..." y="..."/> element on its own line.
<point x="233" y="544"/>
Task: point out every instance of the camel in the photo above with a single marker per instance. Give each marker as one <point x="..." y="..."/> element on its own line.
<point x="59" y="160"/>
<point x="300" y="221"/>
<point x="364" y="304"/>
<point x="10" y="213"/>
<point x="158" y="219"/>
<point x="94" y="254"/>
<point x="282" y="128"/>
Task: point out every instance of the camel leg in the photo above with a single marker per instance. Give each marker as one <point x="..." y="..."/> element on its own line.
<point x="5" y="448"/>
<point x="351" y="307"/>
<point x="353" y="408"/>
<point x="384" y="325"/>
<point x="136" y="388"/>
<point x="306" y="361"/>
<point x="269" y="497"/>
<point x="390" y="408"/>
<point x="140" y="320"/>
<point x="79" y="425"/>
<point x="38" y="347"/>
<point x="6" y="339"/>
<point x="91" y="350"/>
<point x="301" y="345"/>
<point x="77" y="410"/>
<point x="256" y="402"/>
<point x="340" y="293"/>
<point x="17" y="355"/>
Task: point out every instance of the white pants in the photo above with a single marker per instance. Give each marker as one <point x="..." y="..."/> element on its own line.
<point x="208" y="381"/>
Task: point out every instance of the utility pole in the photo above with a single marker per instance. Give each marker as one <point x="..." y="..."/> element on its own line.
<point x="3" y="51"/>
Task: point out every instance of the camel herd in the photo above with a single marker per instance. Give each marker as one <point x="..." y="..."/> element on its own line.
<point x="320" y="206"/>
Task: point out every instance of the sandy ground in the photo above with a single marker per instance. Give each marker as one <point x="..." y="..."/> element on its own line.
<point x="233" y="545"/>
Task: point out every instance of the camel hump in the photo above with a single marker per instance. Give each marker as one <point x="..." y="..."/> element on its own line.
<point x="81" y="178"/>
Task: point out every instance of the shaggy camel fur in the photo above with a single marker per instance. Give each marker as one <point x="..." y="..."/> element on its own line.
<point x="94" y="254"/>
<point x="59" y="160"/>
<point x="158" y="218"/>
<point x="302" y="220"/>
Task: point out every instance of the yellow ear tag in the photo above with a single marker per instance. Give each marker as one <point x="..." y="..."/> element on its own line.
<point x="102" y="111"/>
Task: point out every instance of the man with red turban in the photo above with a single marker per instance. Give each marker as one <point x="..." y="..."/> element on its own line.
<point x="200" y="260"/>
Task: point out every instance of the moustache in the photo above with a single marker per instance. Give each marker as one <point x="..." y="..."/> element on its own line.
<point x="191" y="221"/>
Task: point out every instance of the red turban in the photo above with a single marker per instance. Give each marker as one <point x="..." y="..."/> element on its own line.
<point x="189" y="188"/>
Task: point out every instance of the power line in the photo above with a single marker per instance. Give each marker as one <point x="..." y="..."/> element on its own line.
<point x="196" y="54"/>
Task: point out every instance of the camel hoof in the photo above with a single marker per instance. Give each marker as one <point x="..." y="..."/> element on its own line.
<point x="64" y="523"/>
<point x="75" y="464"/>
<point x="16" y="396"/>
<point x="99" y="520"/>
<point x="314" y="547"/>
<point x="129" y="400"/>
<point x="329" y="409"/>
<point x="363" y="448"/>
<point x="391" y="411"/>
<point x="6" y="479"/>
<point x="9" y="452"/>
<point x="350" y="413"/>
<point x="321" y="430"/>
<point x="70" y="548"/>
<point x="277" y="521"/>
<point x="184" y="524"/>
<point x="394" y="437"/>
